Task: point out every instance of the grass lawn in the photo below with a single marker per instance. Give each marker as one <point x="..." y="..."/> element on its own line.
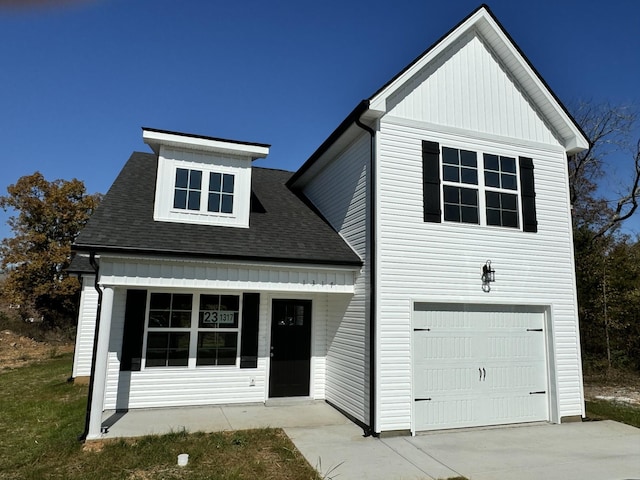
<point x="42" y="415"/>
<point x="620" y="412"/>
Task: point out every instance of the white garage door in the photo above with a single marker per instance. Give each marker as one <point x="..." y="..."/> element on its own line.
<point x="477" y="365"/>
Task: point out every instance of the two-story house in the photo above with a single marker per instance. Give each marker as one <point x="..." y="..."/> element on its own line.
<point x="416" y="272"/>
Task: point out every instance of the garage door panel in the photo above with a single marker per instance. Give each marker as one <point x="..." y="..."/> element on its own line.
<point x="442" y="345"/>
<point x="443" y="381"/>
<point x="446" y="413"/>
<point x="476" y="366"/>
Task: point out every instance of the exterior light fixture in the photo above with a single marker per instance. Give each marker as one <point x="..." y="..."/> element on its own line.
<point x="488" y="276"/>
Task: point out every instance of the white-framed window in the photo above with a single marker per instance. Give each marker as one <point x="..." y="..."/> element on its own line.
<point x="189" y="185"/>
<point x="482" y="193"/>
<point x="221" y="186"/>
<point x="460" y="185"/>
<point x="192" y="329"/>
<point x="501" y="190"/>
<point x="188" y="189"/>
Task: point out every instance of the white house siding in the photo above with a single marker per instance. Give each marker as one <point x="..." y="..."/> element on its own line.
<point x="431" y="262"/>
<point x="165" y="387"/>
<point x="339" y="191"/>
<point x="466" y="87"/>
<point x="84" y="331"/>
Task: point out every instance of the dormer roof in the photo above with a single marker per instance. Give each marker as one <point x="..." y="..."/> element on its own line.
<point x="156" y="138"/>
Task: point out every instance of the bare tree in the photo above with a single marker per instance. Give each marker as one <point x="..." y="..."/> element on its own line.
<point x="609" y="130"/>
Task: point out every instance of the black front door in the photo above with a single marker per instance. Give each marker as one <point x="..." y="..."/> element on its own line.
<point x="290" y="348"/>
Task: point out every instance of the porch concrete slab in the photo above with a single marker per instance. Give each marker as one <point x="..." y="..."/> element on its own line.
<point x="307" y="415"/>
<point x="158" y="421"/>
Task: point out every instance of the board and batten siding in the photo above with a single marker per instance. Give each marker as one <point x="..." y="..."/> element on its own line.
<point x="340" y="192"/>
<point x="85" y="328"/>
<point x="442" y="262"/>
<point x="182" y="386"/>
<point x="467" y="87"/>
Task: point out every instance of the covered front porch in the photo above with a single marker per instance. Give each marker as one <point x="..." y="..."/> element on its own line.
<point x="251" y="352"/>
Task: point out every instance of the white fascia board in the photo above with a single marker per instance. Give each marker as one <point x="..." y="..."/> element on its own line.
<point x="509" y="54"/>
<point x="534" y="86"/>
<point x="155" y="139"/>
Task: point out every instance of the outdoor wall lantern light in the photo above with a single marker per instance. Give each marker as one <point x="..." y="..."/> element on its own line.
<point x="488" y="276"/>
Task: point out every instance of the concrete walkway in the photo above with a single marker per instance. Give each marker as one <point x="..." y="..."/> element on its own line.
<point x="336" y="447"/>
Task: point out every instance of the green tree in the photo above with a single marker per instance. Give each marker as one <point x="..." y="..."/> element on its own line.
<point x="606" y="260"/>
<point x="48" y="217"/>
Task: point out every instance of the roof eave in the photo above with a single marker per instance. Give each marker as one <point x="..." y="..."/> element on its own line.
<point x="156" y="138"/>
<point x="202" y="255"/>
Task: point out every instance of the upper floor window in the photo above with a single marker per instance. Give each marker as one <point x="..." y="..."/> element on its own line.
<point x="500" y="181"/>
<point x="460" y="188"/>
<point x="460" y="168"/>
<point x="220" y="192"/>
<point x="189" y="187"/>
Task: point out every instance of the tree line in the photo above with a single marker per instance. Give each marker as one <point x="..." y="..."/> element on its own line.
<point x="48" y="215"/>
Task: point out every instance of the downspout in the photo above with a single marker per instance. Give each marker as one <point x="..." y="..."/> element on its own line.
<point x="371" y="428"/>
<point x="96" y="269"/>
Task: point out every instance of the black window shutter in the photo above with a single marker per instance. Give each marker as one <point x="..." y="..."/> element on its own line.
<point x="529" y="219"/>
<point x="134" y="315"/>
<point x="249" y="336"/>
<point x="431" y="181"/>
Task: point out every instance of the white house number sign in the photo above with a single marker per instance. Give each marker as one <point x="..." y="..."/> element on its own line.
<point x="219" y="317"/>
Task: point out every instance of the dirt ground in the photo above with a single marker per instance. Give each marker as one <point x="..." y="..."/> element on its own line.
<point x="17" y="351"/>
<point x="619" y="390"/>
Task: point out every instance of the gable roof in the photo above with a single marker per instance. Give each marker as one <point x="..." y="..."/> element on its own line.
<point x="484" y="23"/>
<point x="282" y="228"/>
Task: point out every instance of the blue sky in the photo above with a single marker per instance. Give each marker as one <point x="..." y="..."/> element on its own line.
<point x="79" y="78"/>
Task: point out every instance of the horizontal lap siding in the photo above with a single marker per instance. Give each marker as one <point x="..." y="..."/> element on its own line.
<point x="340" y="193"/>
<point x="167" y="387"/>
<point x="84" y="332"/>
<point x="442" y="263"/>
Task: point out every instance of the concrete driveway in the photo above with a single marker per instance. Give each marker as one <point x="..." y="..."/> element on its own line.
<point x="574" y="451"/>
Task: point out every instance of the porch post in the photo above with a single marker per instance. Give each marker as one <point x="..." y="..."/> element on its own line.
<point x="101" y="362"/>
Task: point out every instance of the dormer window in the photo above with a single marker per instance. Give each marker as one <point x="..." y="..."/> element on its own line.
<point x="203" y="180"/>
<point x="187" y="194"/>
<point x="188" y="189"/>
<point x="221" y="192"/>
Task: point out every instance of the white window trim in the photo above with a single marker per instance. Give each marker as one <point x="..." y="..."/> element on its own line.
<point x="193" y="330"/>
<point x="204" y="193"/>
<point x="480" y="187"/>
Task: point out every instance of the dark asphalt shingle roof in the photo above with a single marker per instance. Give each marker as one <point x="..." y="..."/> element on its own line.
<point x="282" y="227"/>
<point x="80" y="264"/>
